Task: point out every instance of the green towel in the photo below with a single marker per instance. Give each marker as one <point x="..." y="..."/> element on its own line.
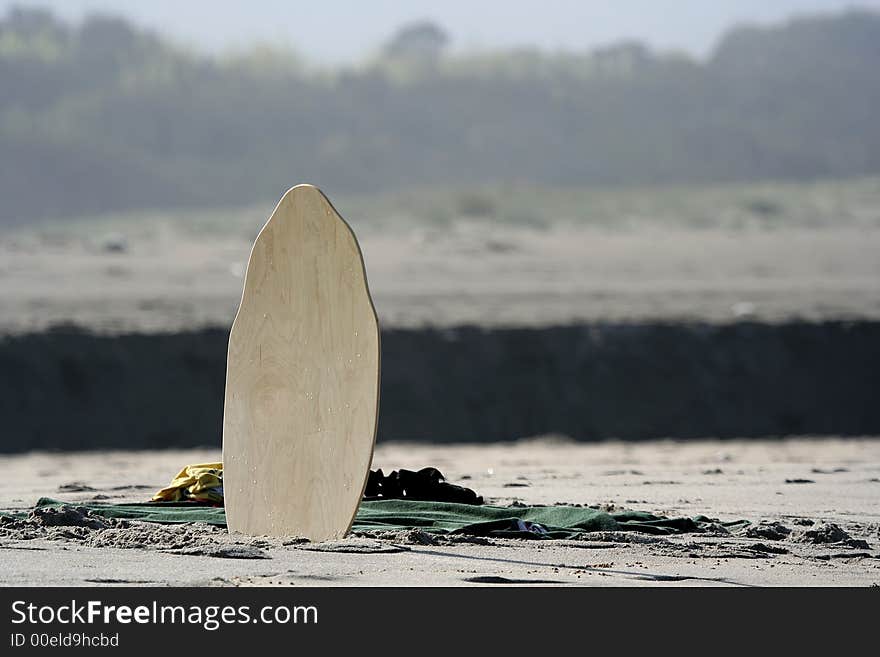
<point x="438" y="517"/>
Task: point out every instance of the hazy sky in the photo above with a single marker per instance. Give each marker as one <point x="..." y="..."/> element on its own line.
<point x="334" y="31"/>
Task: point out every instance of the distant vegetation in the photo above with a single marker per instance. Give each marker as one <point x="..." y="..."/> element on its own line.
<point x="102" y="116"/>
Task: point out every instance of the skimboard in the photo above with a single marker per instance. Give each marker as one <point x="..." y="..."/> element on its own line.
<point x="302" y="377"/>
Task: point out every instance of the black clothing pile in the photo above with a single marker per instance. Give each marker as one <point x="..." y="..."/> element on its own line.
<point x="426" y="485"/>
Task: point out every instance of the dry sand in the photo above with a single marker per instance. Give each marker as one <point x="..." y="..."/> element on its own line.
<point x="804" y="485"/>
<point x="469" y="272"/>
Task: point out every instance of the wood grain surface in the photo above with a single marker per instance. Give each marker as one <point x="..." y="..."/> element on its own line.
<point x="302" y="380"/>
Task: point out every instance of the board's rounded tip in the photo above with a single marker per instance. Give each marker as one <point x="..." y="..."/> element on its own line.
<point x="303" y="188"/>
<point x="304" y="191"/>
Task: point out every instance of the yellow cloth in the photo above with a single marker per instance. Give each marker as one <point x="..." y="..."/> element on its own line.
<point x="202" y="482"/>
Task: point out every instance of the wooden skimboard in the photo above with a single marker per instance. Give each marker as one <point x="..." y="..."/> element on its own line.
<point x="302" y="377"/>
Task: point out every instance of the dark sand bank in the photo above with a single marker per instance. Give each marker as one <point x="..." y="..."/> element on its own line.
<point x="70" y="389"/>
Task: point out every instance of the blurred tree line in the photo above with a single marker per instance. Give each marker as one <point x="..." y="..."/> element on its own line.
<point x="103" y="116"/>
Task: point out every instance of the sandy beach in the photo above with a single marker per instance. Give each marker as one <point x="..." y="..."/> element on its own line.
<point x="613" y="272"/>
<point x="812" y="504"/>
